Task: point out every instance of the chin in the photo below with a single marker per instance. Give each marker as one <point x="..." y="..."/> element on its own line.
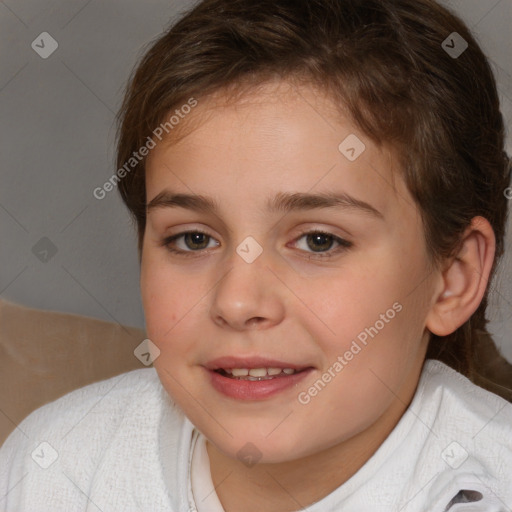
<point x="254" y="447"/>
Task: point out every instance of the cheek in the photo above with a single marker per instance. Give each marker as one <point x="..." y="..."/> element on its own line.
<point x="371" y="304"/>
<point x="161" y="298"/>
<point x="175" y="304"/>
<point x="354" y="297"/>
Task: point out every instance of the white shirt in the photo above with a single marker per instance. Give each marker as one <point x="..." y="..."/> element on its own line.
<point x="122" y="445"/>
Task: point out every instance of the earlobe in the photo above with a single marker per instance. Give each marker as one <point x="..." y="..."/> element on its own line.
<point x="463" y="282"/>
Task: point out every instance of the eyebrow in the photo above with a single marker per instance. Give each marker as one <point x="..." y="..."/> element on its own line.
<point x="281" y="202"/>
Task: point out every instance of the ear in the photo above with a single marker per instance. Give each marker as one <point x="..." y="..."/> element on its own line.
<point x="463" y="281"/>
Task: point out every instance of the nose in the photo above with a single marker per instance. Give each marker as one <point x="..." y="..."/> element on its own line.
<point x="248" y="296"/>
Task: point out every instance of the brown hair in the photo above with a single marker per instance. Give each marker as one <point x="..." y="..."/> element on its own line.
<point x="382" y="61"/>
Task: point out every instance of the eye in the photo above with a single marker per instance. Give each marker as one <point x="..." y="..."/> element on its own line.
<point x="194" y="241"/>
<point x="320" y="243"/>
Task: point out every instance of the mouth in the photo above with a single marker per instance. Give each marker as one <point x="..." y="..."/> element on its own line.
<point x="255" y="378"/>
<point x="257" y="374"/>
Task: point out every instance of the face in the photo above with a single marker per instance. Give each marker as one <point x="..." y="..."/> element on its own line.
<point x="273" y="278"/>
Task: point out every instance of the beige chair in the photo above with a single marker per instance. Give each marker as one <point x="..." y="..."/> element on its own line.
<point x="45" y="354"/>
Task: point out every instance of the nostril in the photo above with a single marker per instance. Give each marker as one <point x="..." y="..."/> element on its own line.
<point x="255" y="320"/>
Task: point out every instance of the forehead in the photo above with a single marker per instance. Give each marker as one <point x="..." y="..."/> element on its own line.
<point x="277" y="137"/>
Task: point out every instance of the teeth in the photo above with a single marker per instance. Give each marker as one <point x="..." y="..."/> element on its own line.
<point x="240" y="372"/>
<point x="258" y="372"/>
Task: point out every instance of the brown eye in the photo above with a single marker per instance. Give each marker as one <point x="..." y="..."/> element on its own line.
<point x="321" y="243"/>
<point x="187" y="243"/>
<point x="196" y="240"/>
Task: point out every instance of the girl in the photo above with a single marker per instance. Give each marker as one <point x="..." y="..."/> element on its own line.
<point x="319" y="188"/>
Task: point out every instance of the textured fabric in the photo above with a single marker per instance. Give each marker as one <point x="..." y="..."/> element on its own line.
<point x="123" y="446"/>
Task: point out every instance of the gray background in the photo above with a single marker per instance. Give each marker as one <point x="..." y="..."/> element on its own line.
<point x="57" y="145"/>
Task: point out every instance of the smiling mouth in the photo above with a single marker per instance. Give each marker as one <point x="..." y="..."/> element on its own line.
<point x="257" y="374"/>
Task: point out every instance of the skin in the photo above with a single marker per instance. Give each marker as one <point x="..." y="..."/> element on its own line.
<point x="290" y="304"/>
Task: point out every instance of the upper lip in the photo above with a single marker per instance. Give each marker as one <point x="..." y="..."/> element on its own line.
<point x="230" y="362"/>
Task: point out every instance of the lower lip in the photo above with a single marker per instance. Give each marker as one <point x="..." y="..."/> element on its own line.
<point x="255" y="389"/>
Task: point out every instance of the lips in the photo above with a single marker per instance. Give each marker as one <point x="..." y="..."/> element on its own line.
<point x="254" y="377"/>
<point x="251" y="388"/>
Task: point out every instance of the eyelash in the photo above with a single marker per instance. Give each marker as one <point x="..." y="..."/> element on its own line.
<point x="343" y="244"/>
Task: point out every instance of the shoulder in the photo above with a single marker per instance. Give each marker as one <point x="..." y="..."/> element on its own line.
<point x="74" y="439"/>
<point x="460" y="398"/>
<point x="469" y="446"/>
<point x="108" y="397"/>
